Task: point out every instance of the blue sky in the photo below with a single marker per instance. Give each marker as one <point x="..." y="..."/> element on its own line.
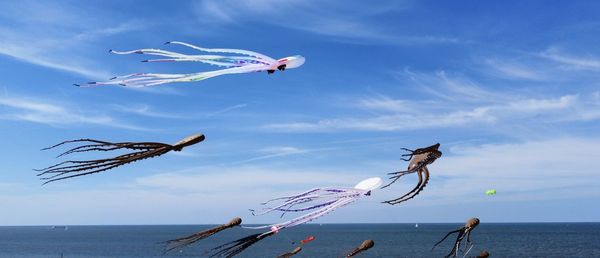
<point x="509" y="89"/>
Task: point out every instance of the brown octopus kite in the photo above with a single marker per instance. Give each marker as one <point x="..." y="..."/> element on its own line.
<point x="419" y="159"/>
<point x="188" y="240"/>
<point x="365" y="245"/>
<point x="462" y="232"/>
<point x="141" y="150"/>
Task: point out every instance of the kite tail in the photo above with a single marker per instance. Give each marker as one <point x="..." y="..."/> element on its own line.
<point x="235" y="247"/>
<point x="449" y="233"/>
<point x="152" y="79"/>
<point x="185" y="241"/>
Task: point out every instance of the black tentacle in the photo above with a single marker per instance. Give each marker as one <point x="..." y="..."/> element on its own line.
<point x="101" y="165"/>
<point x="235" y="247"/>
<point x="449" y="233"/>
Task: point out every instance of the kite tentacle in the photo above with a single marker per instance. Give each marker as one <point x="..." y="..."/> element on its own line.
<point x="188" y="240"/>
<point x="143" y="150"/>
<point x="420" y="185"/>
<point x="147" y="79"/>
<point x="226" y="50"/>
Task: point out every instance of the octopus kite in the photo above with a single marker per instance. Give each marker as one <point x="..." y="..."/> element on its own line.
<point x="141" y="150"/>
<point x="462" y="232"/>
<point x="366" y="245"/>
<point x="325" y="201"/>
<point x="188" y="240"/>
<point x="419" y="159"/>
<point x="292" y="253"/>
<point x="297" y="249"/>
<point x="242" y="61"/>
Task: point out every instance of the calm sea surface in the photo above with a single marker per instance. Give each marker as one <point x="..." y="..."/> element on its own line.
<point x="332" y="240"/>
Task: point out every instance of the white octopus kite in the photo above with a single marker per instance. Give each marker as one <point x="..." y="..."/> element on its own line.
<point x="319" y="201"/>
<point x="249" y="62"/>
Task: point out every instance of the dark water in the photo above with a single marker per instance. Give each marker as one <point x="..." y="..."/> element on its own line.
<point x="332" y="240"/>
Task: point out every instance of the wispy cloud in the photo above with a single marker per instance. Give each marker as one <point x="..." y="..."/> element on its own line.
<point x="56" y="35"/>
<point x="276" y="152"/>
<point x="571" y="62"/>
<point x="458" y="103"/>
<point x="227" y="109"/>
<point x="148" y="111"/>
<point x="531" y="170"/>
<point x="328" y="18"/>
<point x="54" y="114"/>
<point x="516" y="70"/>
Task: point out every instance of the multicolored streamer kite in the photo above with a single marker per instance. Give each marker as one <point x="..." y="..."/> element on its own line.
<point x="243" y="61"/>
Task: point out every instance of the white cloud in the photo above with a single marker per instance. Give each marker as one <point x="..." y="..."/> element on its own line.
<point x="534" y="170"/>
<point x="516" y="70"/>
<point x="328" y="18"/>
<point x="52" y="113"/>
<point x="570" y="62"/>
<point x="400" y="117"/>
<point x="147" y="111"/>
<point x="275" y="152"/>
<point x="56" y="35"/>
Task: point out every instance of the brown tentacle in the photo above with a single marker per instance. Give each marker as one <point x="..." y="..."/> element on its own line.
<point x="97" y="147"/>
<point x="235" y="247"/>
<point x="397" y="176"/>
<point x="61" y="163"/>
<point x="366" y="245"/>
<point x="116" y="146"/>
<point x="57" y="169"/>
<point x="100" y="168"/>
<point x="79" y="168"/>
<point x="78" y="140"/>
<point x="69" y="168"/>
<point x="449" y="233"/>
<point x="417" y="188"/>
<point x="188" y="240"/>
<point x="424" y="171"/>
<point x="58" y="173"/>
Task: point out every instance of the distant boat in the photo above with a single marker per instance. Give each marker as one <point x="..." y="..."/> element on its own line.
<point x="60" y="227"/>
<point x="416" y="225"/>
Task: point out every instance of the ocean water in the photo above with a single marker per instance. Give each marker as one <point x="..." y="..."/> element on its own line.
<point x="332" y="240"/>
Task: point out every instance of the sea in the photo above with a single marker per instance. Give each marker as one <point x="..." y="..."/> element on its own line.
<point x="331" y="240"/>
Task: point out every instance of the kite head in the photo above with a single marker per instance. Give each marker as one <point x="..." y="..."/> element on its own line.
<point x="275" y="229"/>
<point x="291" y="61"/>
<point x="187" y="141"/>
<point x="471" y="223"/>
<point x="369" y="184"/>
<point x="234" y="222"/>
